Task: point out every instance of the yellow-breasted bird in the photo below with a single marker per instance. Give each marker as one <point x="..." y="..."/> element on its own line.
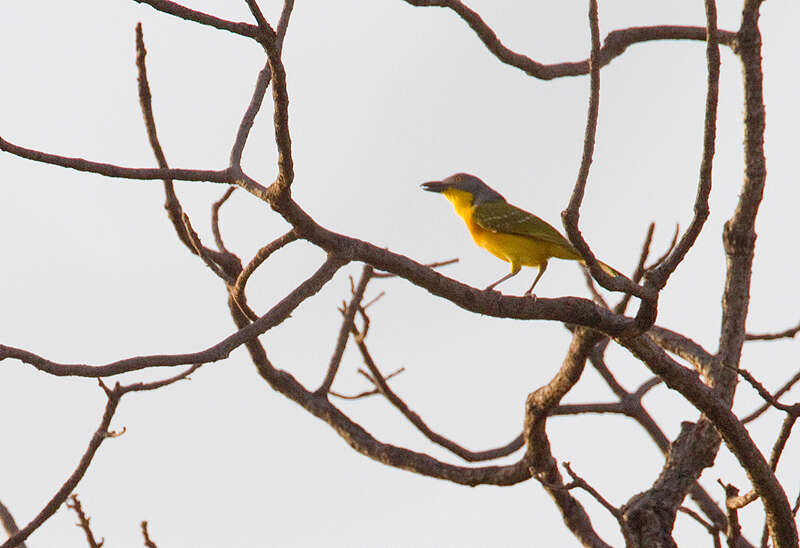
<point x="507" y="232"/>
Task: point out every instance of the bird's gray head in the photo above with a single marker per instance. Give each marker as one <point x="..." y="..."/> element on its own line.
<point x="480" y="191"/>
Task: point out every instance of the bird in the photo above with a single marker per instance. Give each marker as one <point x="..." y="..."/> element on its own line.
<point x="504" y="230"/>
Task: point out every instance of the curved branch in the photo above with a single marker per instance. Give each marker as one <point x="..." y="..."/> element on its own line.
<point x="658" y="277"/>
<point x="112" y="170"/>
<point x="414" y="418"/>
<point x="362" y="441"/>
<point x="614" y="45"/>
<point x="733" y="432"/>
<point x="219" y="351"/>
<point x="172" y="8"/>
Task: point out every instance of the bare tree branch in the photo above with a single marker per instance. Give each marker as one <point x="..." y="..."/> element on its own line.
<point x="146" y="534"/>
<point x="615" y="43"/>
<point x="780" y="392"/>
<point x="83" y="522"/>
<point x="111" y="170"/>
<point x="9" y="524"/>
<point x="417" y="421"/>
<point x="172" y="8"/>
<point x="787" y="334"/>
<point x="114" y="396"/>
<point x="578" y="481"/>
<point x="349" y="314"/>
<point x="276" y="315"/>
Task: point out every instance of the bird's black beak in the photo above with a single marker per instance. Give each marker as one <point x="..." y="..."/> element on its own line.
<point x="435" y="186"/>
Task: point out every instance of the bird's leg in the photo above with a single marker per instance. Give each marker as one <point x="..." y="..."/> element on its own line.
<point x="542" y="268"/>
<point x="515" y="268"/>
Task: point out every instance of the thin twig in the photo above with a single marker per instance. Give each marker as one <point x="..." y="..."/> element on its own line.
<point x="712" y="529"/>
<point x="638" y="272"/>
<point x="344" y="331"/>
<point x="113" y="396"/>
<point x="571" y="215"/>
<point x="375" y="391"/>
<point x="249" y="117"/>
<point x="215" y="207"/>
<point x="615" y="43"/>
<point x="258" y="259"/>
<point x="380" y="382"/>
<point x="202" y="252"/>
<point x="659" y="276"/>
<point x="83" y="522"/>
<point x="581" y="483"/>
<point x="121" y="172"/>
<point x="780" y="392"/>
<point x="148" y="542"/>
<point x="787" y="334"/>
<point x="9" y="524"/>
<point x="764" y="393"/>
<point x="276" y="315"/>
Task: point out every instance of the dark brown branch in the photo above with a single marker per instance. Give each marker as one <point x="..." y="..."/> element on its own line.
<point x="788" y="334"/>
<point x="227" y="262"/>
<point x="283" y="23"/>
<point x="215" y="207"/>
<point x="571" y="215"/>
<point x="659" y="276"/>
<point x="764" y="393"/>
<point x="262" y="82"/>
<point x="685" y="348"/>
<point x="725" y="422"/>
<point x="259" y="16"/>
<point x="146" y="534"/>
<point x="344" y="332"/>
<point x="632" y="406"/>
<point x="201" y="250"/>
<point x="219" y="351"/>
<point x="614" y="45"/>
<point x="581" y="483"/>
<point x="111" y="170"/>
<point x="734" y="530"/>
<point x="712" y="529"/>
<point x="366" y="393"/>
<point x="538" y="406"/>
<point x="596" y="296"/>
<point x="61" y="495"/>
<point x="780" y="392"/>
<point x="362" y="441"/>
<point x="638" y="272"/>
<point x="114" y="395"/>
<point x="237" y="290"/>
<point x="775" y="455"/>
<point x="172" y="8"/>
<point x="414" y="418"/>
<point x="9" y="524"/>
<point x="83" y="522"/>
<point x="283" y="140"/>
<point x="172" y="205"/>
<point x="429" y="265"/>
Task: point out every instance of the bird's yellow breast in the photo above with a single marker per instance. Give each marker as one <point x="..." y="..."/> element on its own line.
<point x="512" y="248"/>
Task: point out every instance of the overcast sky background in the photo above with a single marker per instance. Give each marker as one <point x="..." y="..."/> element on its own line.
<point x="384" y="96"/>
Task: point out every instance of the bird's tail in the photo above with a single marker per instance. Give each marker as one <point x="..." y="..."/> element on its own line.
<point x="613" y="272"/>
<point x="608" y="270"/>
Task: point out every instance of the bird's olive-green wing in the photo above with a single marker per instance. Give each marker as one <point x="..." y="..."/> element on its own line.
<point x="503" y="217"/>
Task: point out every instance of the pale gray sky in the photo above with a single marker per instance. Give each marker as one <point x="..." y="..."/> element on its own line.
<point x="383" y="97"/>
